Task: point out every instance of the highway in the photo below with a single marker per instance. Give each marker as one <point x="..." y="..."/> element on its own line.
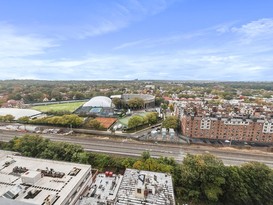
<point x="129" y="147"/>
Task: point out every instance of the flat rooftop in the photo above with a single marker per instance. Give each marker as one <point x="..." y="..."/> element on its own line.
<point x="103" y="190"/>
<point x="17" y="113"/>
<point x="34" y="180"/>
<point x="138" y="187"/>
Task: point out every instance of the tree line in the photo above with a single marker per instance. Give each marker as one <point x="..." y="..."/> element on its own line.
<point x="199" y="179"/>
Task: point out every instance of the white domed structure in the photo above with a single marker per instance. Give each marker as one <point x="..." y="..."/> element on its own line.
<point x="99" y="101"/>
<point x="98" y="106"/>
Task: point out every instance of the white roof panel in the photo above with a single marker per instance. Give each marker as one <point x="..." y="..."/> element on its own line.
<point x="17" y="113"/>
<point x="99" y="101"/>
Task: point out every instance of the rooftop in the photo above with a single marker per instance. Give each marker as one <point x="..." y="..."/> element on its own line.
<point x="99" y="101"/>
<point x="135" y="187"/>
<point x="36" y="181"/>
<point x="103" y="190"/>
<point x="17" y="113"/>
<point x="138" y="187"/>
<point x="106" y="122"/>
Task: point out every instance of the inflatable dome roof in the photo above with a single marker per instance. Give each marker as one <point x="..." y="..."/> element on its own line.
<point x="99" y="101"/>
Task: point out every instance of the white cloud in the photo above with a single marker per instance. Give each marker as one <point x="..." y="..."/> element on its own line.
<point x="208" y="60"/>
<point x="120" y="15"/>
<point x="156" y="42"/>
<point x="14" y="45"/>
<point x="173" y="65"/>
<point x="256" y="28"/>
<point x="132" y="44"/>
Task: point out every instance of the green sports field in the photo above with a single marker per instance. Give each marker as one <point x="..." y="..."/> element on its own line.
<point x="125" y="120"/>
<point x="70" y="107"/>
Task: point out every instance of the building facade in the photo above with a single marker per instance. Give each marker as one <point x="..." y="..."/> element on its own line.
<point x="246" y="123"/>
<point x="239" y="129"/>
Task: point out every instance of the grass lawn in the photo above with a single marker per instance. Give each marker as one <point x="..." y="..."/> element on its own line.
<point x="70" y="107"/>
<point x="125" y="120"/>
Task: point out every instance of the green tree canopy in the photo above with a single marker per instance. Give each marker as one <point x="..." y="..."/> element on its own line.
<point x="65" y="120"/>
<point x="119" y="103"/>
<point x="258" y="179"/>
<point x="136" y="103"/>
<point x="135" y="121"/>
<point x="202" y="178"/>
<point x="94" y="124"/>
<point x="29" y="145"/>
<point x="151" y="118"/>
<point x="170" y="122"/>
<point x="23" y="119"/>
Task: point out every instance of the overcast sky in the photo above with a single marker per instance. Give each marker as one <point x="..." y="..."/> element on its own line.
<point x="143" y="39"/>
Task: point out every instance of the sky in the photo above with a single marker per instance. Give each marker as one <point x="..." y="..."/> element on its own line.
<point x="136" y="39"/>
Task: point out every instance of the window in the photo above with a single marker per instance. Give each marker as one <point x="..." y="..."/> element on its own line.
<point x="139" y="191"/>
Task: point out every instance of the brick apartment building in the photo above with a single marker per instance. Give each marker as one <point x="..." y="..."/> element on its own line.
<point x="249" y="130"/>
<point x="199" y="121"/>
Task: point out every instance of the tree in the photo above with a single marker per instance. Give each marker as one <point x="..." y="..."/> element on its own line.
<point x="79" y="96"/>
<point x="258" y="179"/>
<point x="202" y="178"/>
<point x="170" y="122"/>
<point x="171" y="107"/>
<point x="24" y="120"/>
<point x="29" y="145"/>
<point x="8" y="118"/>
<point x="152" y="164"/>
<point x="80" y="157"/>
<point x="151" y="118"/>
<point x="235" y="190"/>
<point x="37" y="96"/>
<point x="227" y="95"/>
<point x="128" y="162"/>
<point x="135" y="121"/>
<point x="55" y="93"/>
<point x="119" y="103"/>
<point x="73" y="120"/>
<point x="159" y="101"/>
<point x="164" y="106"/>
<point x="61" y="151"/>
<point x="136" y="103"/>
<point x="145" y="155"/>
<point x="65" y="120"/>
<point x="94" y="124"/>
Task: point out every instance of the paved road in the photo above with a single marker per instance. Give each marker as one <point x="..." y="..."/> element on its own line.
<point x="128" y="147"/>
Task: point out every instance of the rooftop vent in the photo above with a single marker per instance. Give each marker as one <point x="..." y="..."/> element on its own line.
<point x="32" y="194"/>
<point x="51" y="173"/>
<point x="74" y="171"/>
<point x="17" y="169"/>
<point x="9" y="162"/>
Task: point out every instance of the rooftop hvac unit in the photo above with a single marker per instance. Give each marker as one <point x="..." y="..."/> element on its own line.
<point x="31" y="177"/>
